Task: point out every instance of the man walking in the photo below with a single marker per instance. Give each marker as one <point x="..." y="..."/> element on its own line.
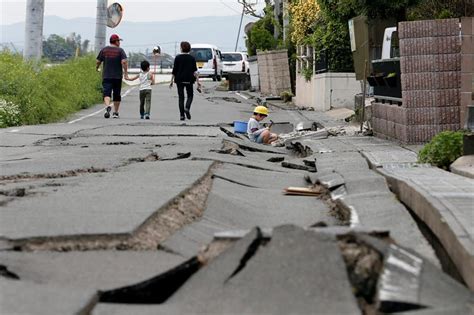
<point x="115" y="66"/>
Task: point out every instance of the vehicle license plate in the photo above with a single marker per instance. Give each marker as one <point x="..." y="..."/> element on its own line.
<point x="199" y="64"/>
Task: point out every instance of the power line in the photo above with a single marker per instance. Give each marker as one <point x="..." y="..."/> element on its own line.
<point x="229" y="7"/>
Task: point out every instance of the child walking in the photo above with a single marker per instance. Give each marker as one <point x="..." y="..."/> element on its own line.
<point x="254" y="130"/>
<point x="147" y="79"/>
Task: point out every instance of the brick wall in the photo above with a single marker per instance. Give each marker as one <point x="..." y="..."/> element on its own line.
<point x="437" y="66"/>
<point x="274" y="72"/>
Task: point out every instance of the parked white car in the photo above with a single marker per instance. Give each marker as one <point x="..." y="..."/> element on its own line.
<point x="208" y="61"/>
<point x="235" y="62"/>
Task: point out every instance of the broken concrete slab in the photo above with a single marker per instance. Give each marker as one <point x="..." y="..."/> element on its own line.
<point x="330" y="180"/>
<point x="463" y="166"/>
<point x="300" y="278"/>
<point x="243" y="207"/>
<point x="389" y="154"/>
<point x="444" y="202"/>
<point x="63" y="210"/>
<point x="193" y="237"/>
<point x="255" y="147"/>
<point x="22" y="297"/>
<point x="233" y="206"/>
<point x="365" y="181"/>
<point x="383" y="210"/>
<point x="93" y="270"/>
<point x="153" y="130"/>
<point x="259" y="178"/>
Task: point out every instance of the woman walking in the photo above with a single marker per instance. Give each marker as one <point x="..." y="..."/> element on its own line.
<point x="184" y="75"/>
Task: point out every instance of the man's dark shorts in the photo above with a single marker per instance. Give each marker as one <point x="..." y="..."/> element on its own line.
<point x="112" y="85"/>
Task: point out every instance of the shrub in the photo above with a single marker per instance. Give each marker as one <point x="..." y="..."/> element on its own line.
<point x="44" y="94"/>
<point x="9" y="114"/>
<point x="443" y="149"/>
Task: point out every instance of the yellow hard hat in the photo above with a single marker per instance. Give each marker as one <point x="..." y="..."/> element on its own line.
<point x="261" y="110"/>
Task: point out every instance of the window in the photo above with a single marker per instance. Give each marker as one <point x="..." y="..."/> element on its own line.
<point x="201" y="54"/>
<point x="231" y="57"/>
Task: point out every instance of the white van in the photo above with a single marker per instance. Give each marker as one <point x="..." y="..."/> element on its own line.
<point x="208" y="61"/>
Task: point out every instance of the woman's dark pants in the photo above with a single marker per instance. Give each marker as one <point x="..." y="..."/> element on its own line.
<point x="189" y="100"/>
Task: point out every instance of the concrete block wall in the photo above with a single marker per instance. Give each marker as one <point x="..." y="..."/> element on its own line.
<point x="274" y="72"/>
<point x="467" y="67"/>
<point x="437" y="67"/>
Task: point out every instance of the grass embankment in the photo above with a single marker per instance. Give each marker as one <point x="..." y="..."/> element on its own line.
<point x="37" y="94"/>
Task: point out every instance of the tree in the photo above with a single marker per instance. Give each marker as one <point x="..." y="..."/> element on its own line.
<point x="56" y="48"/>
<point x="433" y="9"/>
<point x="260" y="36"/>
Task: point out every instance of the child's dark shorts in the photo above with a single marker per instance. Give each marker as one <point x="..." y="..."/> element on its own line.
<point x="112" y="85"/>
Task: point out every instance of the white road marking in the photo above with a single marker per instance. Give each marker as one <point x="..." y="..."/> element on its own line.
<point x="14" y="130"/>
<point x="84" y="117"/>
<point x="99" y="111"/>
<point x="242" y="96"/>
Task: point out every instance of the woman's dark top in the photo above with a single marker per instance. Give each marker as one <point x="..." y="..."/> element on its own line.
<point x="184" y="68"/>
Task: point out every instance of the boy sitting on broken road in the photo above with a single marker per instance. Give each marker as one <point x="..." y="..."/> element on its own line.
<point x="254" y="130"/>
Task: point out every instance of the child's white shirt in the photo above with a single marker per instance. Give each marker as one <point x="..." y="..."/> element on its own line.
<point x="145" y="80"/>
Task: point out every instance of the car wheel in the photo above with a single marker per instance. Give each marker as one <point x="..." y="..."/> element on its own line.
<point x="214" y="78"/>
<point x="219" y="77"/>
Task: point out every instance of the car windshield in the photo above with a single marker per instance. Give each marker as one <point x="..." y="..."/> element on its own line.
<point x="201" y="54"/>
<point x="231" y="57"/>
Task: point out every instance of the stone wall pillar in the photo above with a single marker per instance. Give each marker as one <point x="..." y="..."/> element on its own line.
<point x="436" y="63"/>
<point x="467" y="67"/>
<point x="274" y="72"/>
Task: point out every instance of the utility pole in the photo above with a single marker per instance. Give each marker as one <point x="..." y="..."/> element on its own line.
<point x="34" y="29"/>
<point x="100" y="25"/>
<point x="276" y="12"/>
<point x="286" y="20"/>
<point x="240" y="27"/>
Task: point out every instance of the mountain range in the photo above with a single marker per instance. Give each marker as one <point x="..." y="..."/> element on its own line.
<point x="140" y="36"/>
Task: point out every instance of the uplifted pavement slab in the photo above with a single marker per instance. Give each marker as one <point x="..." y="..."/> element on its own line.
<point x="444" y="202"/>
<point x="340" y="161"/>
<point x="463" y="166"/>
<point x="107" y="203"/>
<point x="329" y="145"/>
<point x="96" y="270"/>
<point x="379" y="152"/>
<point x="369" y="200"/>
<point x="154" y="130"/>
<point x="232" y="206"/>
<point x="22" y="297"/>
<point x="244" y="207"/>
<point x="258" y="178"/>
<point x="54" y="161"/>
<point x="285" y="276"/>
<point x="383" y="210"/>
<point x="408" y="282"/>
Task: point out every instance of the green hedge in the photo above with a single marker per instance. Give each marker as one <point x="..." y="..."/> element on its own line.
<point x="445" y="148"/>
<point x="36" y="93"/>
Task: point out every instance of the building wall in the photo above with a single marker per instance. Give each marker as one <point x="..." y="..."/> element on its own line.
<point x="274" y="72"/>
<point x="327" y="90"/>
<point x="436" y="65"/>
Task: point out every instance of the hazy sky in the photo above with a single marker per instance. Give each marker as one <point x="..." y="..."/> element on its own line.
<point x="13" y="11"/>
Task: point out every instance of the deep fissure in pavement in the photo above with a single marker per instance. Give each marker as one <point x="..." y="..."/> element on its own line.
<point x="155" y="290"/>
<point x="252" y="249"/>
<point x="184" y="209"/>
<point x="447" y="264"/>
<point x="363" y="265"/>
<point x="70" y="173"/>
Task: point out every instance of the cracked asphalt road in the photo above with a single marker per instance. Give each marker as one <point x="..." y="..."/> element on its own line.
<point x="90" y="205"/>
